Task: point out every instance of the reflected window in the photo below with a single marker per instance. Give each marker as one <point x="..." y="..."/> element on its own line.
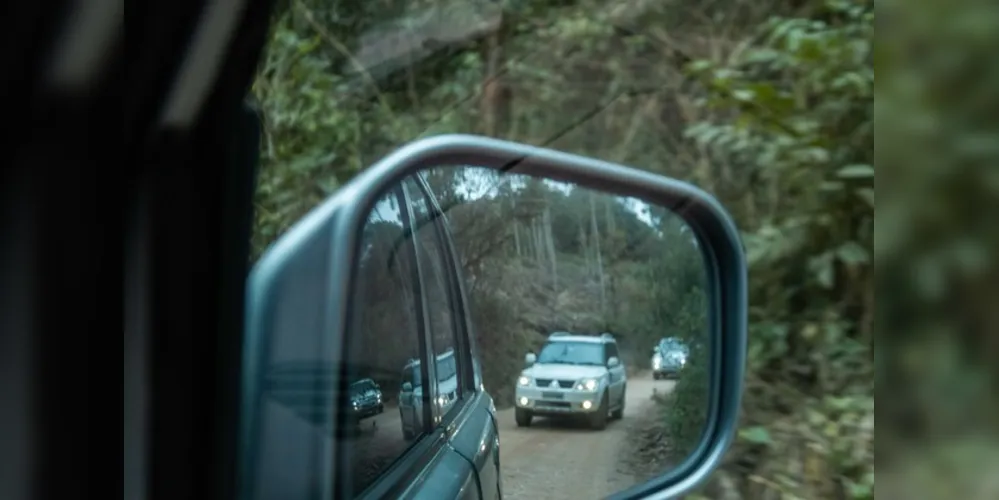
<point x="384" y="411"/>
<point x="436" y="288"/>
<point x="573" y="353"/>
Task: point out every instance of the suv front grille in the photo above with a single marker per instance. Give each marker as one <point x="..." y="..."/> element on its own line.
<point x="547" y="382"/>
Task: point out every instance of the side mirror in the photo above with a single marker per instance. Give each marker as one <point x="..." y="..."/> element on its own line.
<point x="407" y="387"/>
<point x="655" y="350"/>
<point x="530" y="358"/>
<point x="613" y="362"/>
<point x="304" y="288"/>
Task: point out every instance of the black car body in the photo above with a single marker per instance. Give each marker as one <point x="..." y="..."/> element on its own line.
<point x="669" y="357"/>
<point x="365" y="399"/>
<point x="304" y="388"/>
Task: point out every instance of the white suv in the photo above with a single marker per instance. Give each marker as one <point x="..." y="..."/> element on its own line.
<point x="573" y="375"/>
<point x="411" y="392"/>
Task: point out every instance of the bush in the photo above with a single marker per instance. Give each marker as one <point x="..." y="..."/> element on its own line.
<point x="685" y="409"/>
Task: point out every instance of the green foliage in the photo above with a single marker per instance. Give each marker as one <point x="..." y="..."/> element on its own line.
<point x="796" y="113"/>
<point x="546" y="259"/>
<point x="756" y="435"/>
<point x="685" y="410"/>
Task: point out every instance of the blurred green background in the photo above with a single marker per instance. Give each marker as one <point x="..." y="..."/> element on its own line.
<point x="768" y="105"/>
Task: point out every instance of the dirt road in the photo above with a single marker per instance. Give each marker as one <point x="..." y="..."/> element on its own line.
<point x="552" y="459"/>
<point x="558" y="460"/>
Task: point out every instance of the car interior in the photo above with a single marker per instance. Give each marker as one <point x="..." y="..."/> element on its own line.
<point x="184" y="199"/>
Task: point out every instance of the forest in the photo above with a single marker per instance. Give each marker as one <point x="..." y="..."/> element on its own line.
<point x="766" y="105"/>
<point x="540" y="257"/>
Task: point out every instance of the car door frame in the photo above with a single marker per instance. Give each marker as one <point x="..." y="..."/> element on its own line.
<point x="617" y="374"/>
<point x="404" y="476"/>
<point x="450" y="422"/>
<point x="471" y="388"/>
<point x="463" y="354"/>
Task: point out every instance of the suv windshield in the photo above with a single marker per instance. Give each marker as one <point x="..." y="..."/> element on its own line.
<point x="572" y="353"/>
<point x="411" y="374"/>
<point x="360" y="387"/>
<point x="446" y="368"/>
<point x="672" y="344"/>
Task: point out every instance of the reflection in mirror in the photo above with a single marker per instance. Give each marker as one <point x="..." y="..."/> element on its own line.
<point x="608" y="291"/>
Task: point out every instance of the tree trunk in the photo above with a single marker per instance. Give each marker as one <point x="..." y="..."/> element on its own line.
<point x="550" y="245"/>
<point x="516" y="239"/>
<point x="599" y="259"/>
<point x="496" y="94"/>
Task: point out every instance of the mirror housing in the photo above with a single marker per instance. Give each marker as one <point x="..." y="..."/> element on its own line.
<point x="407" y="387"/>
<point x="530" y="358"/>
<point x="300" y="291"/>
<point x="613" y="362"/>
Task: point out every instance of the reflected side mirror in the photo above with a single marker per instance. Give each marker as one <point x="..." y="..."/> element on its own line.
<point x="613" y="362"/>
<point x="407" y="387"/>
<point x="530" y="358"/>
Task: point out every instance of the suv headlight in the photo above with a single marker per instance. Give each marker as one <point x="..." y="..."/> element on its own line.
<point x="441" y="401"/>
<point x="588" y="384"/>
<point x="524" y="381"/>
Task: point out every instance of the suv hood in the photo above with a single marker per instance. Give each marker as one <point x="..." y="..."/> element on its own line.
<point x="565" y="372"/>
<point x="368" y="394"/>
<point x="672" y="353"/>
<point x="445" y="387"/>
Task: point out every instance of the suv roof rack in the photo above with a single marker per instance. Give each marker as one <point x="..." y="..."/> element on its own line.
<point x="606" y="335"/>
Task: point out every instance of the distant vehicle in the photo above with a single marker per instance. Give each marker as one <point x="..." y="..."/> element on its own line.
<point x="669" y="358"/>
<point x="411" y="392"/>
<point x="573" y="375"/>
<point x="365" y="399"/>
<point x="305" y="388"/>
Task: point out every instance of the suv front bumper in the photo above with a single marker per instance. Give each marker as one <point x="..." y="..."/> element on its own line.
<point x="549" y="401"/>
<point x="667" y="368"/>
<point x="367" y="410"/>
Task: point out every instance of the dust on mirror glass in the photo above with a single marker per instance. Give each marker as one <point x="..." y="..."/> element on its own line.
<point x="587" y="310"/>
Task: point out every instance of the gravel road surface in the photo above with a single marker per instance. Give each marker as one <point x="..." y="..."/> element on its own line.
<point x="558" y="460"/>
<point x="551" y="459"/>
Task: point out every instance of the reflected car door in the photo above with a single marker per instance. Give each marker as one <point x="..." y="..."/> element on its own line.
<point x="455" y="478"/>
<point x="426" y="466"/>
<point x="473" y="432"/>
<point x="617" y="374"/>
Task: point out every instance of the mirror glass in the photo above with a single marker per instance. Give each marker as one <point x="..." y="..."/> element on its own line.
<point x="574" y="277"/>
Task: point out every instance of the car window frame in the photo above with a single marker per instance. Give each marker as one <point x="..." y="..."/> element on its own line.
<point x="402" y="473"/>
<point x="465" y="335"/>
<point x="446" y="263"/>
<point x="428" y="359"/>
